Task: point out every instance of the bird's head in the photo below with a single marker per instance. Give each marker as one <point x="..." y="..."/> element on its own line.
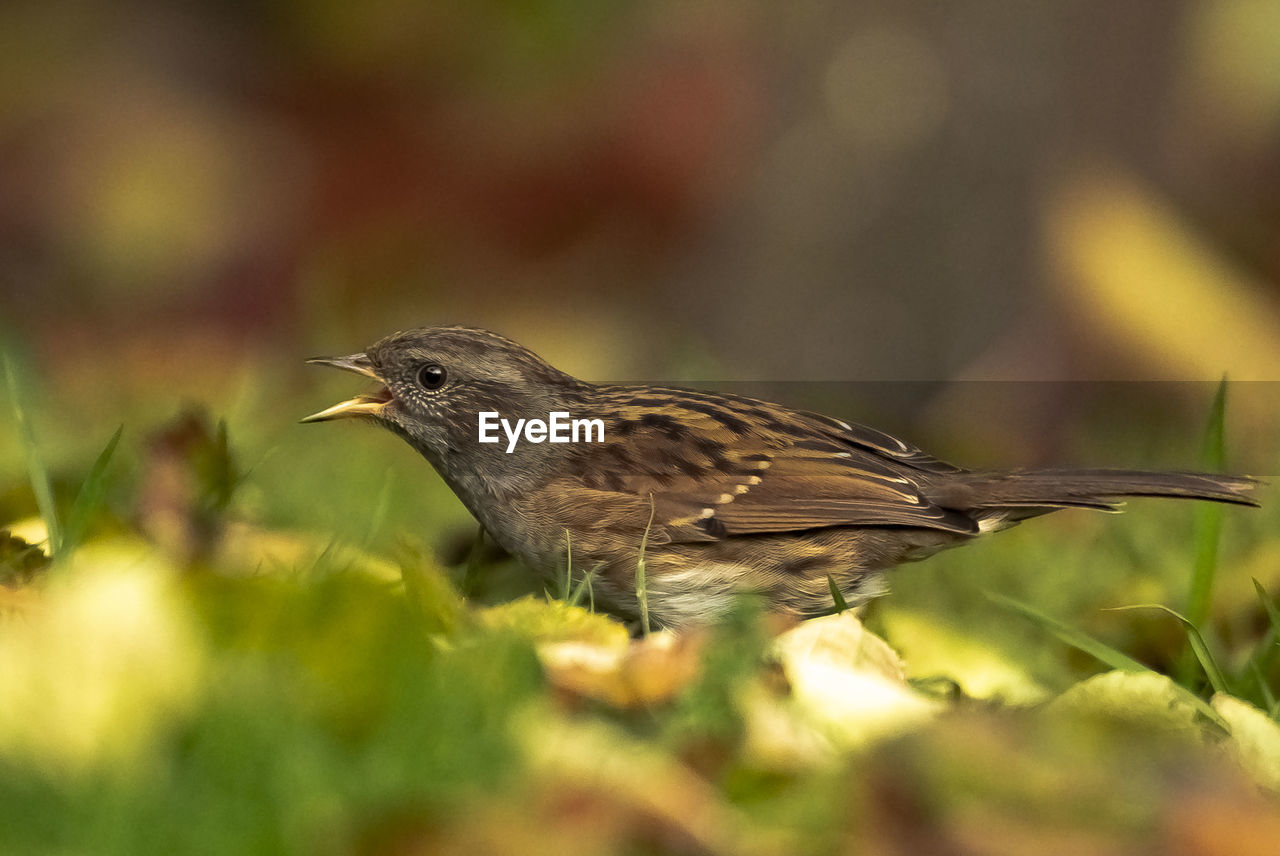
<point x="434" y="383"/>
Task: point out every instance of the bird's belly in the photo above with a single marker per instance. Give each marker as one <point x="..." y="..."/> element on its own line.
<point x="793" y="573"/>
<point x="694" y="583"/>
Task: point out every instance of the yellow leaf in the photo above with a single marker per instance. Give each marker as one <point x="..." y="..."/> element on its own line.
<point x="1255" y="739"/>
<point x="931" y="649"/>
<point x="106" y="658"/>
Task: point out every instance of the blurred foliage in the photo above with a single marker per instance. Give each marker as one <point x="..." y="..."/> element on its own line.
<point x="221" y="632"/>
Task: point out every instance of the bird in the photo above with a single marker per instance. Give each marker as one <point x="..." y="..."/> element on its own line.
<point x="686" y="499"/>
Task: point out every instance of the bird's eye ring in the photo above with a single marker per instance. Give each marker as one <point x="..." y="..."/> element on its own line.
<point x="432" y="376"/>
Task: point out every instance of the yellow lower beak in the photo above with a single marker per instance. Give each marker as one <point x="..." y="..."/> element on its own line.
<point x="361" y="405"/>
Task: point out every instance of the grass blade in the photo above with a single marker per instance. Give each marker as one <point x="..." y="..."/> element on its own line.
<point x="836" y="596"/>
<point x="1207" y="662"/>
<point x="642" y="587"/>
<point x="1072" y="636"/>
<point x="584" y="586"/>
<point x="1082" y="641"/>
<point x="1268" y="697"/>
<point x="1273" y="612"/>
<point x="567" y="587"/>
<point x="572" y="594"/>
<point x="1208" y="525"/>
<point x="41" y="486"/>
<point x="89" y="499"/>
<point x="1267" y="647"/>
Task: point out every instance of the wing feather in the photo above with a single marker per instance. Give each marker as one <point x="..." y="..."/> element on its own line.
<point x="718" y="466"/>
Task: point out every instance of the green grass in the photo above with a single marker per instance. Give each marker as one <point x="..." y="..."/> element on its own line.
<point x="1208" y="528"/>
<point x="1217" y="680"/>
<point x="837" y="598"/>
<point x="89" y="500"/>
<point x="574" y="593"/>
<point x="1203" y="661"/>
<point x="1207" y="535"/>
<point x="1070" y="635"/>
<point x="37" y="473"/>
<point x="66" y="531"/>
<point x="642" y="582"/>
<point x="1265" y="653"/>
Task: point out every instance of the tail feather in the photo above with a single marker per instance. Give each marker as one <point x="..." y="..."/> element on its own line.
<point x="1100" y="489"/>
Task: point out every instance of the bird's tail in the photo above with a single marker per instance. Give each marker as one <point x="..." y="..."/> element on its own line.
<point x="1013" y="495"/>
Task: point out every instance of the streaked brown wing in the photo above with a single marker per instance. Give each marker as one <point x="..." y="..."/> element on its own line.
<point x="719" y="466"/>
<point x="877" y="442"/>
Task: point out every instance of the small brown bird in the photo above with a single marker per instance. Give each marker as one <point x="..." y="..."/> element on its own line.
<point x="719" y="493"/>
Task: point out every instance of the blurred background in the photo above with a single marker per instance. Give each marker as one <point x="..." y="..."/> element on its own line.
<point x="885" y="196"/>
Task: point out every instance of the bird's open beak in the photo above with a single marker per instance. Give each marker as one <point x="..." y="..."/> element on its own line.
<point x="361" y="405"/>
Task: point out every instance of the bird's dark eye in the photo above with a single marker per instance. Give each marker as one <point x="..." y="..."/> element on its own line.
<point x="432" y="376"/>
